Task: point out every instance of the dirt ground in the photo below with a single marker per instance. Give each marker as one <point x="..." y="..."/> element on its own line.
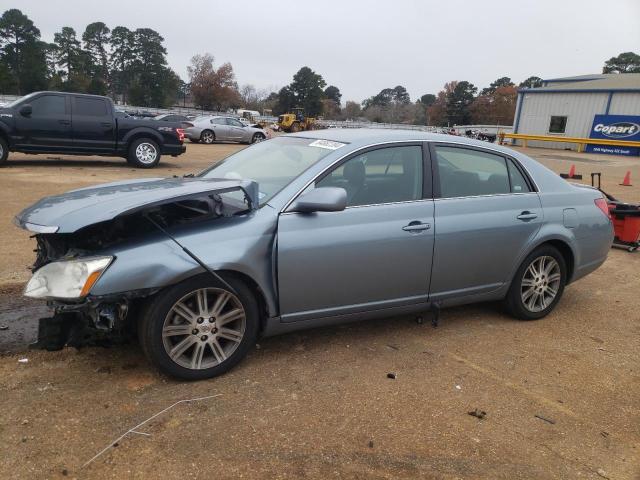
<point x="561" y="395"/>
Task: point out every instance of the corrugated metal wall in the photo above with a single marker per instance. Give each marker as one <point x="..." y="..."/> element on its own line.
<point x="625" y="104"/>
<point x="579" y="108"/>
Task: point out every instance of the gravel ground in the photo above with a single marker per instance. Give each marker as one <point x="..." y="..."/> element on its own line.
<point x="560" y="395"/>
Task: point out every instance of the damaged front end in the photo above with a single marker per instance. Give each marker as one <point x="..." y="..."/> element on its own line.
<point x="71" y="260"/>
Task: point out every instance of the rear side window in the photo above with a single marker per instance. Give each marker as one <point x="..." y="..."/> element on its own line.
<point x="385" y="175"/>
<point x="90" y="107"/>
<point x="518" y="182"/>
<point x="48" y="105"/>
<point x="218" y="121"/>
<point x="465" y="173"/>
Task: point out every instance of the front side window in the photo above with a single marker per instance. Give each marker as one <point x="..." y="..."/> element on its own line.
<point x="272" y="164"/>
<point x="465" y="173"/>
<point x="557" y="124"/>
<point x="385" y="175"/>
<point x="90" y="107"/>
<point x="46" y="105"/>
<point x="233" y="122"/>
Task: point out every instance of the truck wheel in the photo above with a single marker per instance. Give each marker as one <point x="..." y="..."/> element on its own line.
<point x="295" y="127"/>
<point x="198" y="328"/>
<point x="4" y="151"/>
<point x="144" y="153"/>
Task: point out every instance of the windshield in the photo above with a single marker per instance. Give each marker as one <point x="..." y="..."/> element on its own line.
<point x="18" y="100"/>
<point x="272" y="164"/>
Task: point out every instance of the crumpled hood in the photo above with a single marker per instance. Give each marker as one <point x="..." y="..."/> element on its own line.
<point x="76" y="209"/>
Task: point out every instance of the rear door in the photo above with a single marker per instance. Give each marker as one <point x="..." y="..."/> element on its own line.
<point x="487" y="213"/>
<point x="375" y="254"/>
<point x="94" y="125"/>
<point x="48" y="127"/>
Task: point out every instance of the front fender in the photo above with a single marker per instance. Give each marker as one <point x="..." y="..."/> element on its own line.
<point x="241" y="244"/>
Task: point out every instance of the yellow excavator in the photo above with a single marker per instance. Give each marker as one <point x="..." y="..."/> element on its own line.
<point x="296" y="121"/>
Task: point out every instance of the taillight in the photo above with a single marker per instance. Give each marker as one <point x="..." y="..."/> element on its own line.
<point x="601" y="203"/>
<point x="180" y="132"/>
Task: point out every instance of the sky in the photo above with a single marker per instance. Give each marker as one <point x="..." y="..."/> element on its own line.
<point x="364" y="46"/>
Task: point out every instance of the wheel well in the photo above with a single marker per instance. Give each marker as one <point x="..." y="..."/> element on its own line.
<point x="207" y="130"/>
<point x="138" y="136"/>
<point x="257" y="291"/>
<point x="5" y="137"/>
<point x="567" y="254"/>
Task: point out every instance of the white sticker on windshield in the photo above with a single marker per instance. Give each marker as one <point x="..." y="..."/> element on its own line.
<point x="328" y="144"/>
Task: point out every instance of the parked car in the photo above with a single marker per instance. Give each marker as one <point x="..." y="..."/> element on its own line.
<point x="209" y="129"/>
<point x="305" y="230"/>
<point x="78" y="124"/>
<point x="174" y="117"/>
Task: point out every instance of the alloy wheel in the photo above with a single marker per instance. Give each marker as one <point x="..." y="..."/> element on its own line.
<point x="146" y="153"/>
<point x="207" y="137"/>
<point x="204" y="328"/>
<point x="540" y="283"/>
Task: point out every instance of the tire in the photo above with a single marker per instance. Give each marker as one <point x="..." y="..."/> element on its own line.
<point x="530" y="296"/>
<point x="257" y="137"/>
<point x="194" y="140"/>
<point x="208" y="137"/>
<point x="4" y="152"/>
<point x="144" y="153"/>
<point x="162" y="331"/>
<point x="295" y="127"/>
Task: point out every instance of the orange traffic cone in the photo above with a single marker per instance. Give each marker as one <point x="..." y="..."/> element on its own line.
<point x="572" y="171"/>
<point x="627" y="179"/>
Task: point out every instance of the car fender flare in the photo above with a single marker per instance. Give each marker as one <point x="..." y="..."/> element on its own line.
<point x="4" y="133"/>
<point x="142" y="132"/>
<point x="547" y="234"/>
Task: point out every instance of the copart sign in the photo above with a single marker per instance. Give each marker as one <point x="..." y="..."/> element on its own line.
<point x="615" y="127"/>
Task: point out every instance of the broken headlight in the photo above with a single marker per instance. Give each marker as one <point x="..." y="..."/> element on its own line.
<point x="66" y="279"/>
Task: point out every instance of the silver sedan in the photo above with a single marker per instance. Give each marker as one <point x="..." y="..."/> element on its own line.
<point x="209" y="129"/>
<point x="307" y="230"/>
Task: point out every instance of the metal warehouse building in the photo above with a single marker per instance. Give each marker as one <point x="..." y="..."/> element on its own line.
<point x="583" y="106"/>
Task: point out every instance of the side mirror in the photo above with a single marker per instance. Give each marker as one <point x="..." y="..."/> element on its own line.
<point x="25" y="110"/>
<point x="323" y="199"/>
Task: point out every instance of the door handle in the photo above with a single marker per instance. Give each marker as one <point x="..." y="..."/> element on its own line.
<point x="527" y="215"/>
<point x="416" y="226"/>
<point x="106" y="124"/>
<point x="64" y="122"/>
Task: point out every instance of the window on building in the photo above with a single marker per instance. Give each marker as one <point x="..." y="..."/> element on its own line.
<point x="557" y="124"/>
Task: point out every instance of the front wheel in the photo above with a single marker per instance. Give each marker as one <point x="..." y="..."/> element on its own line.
<point x="257" y="137"/>
<point x="538" y="285"/>
<point x="4" y="151"/>
<point x="199" y="329"/>
<point x="144" y="153"/>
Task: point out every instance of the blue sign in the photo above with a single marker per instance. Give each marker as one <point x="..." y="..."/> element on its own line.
<point x="615" y="127"/>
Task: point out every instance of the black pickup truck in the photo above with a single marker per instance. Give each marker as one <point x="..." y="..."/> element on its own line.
<point x="78" y="124"/>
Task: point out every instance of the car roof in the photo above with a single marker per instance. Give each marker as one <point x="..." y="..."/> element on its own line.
<point x="364" y="136"/>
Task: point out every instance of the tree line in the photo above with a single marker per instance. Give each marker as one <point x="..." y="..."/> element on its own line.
<point x="127" y="64"/>
<point x="131" y="66"/>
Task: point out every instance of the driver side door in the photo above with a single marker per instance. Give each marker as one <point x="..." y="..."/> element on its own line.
<point x="374" y="255"/>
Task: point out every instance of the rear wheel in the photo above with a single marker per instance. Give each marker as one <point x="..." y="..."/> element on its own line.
<point x="144" y="153"/>
<point x="199" y="328"/>
<point x="295" y="127"/>
<point x="4" y="151"/>
<point x="207" y="136"/>
<point x="538" y="284"/>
